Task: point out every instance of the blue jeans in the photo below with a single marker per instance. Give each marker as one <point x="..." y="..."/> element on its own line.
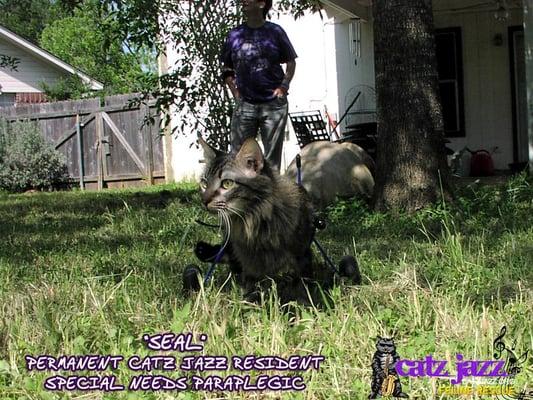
<point x="269" y="119"/>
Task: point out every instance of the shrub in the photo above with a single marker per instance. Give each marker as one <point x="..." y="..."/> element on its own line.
<point x="27" y="161"/>
<point x="65" y="89"/>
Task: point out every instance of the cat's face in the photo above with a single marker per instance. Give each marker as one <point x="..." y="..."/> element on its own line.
<point x="385" y="345"/>
<point x="232" y="182"/>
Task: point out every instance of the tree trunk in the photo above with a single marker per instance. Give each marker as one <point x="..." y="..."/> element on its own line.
<point x="411" y="162"/>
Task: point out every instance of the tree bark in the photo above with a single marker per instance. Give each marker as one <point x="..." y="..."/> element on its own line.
<point x="412" y="171"/>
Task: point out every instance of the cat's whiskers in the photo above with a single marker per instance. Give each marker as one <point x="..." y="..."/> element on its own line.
<point x="220" y="222"/>
<point x="227" y="225"/>
<point x="237" y="212"/>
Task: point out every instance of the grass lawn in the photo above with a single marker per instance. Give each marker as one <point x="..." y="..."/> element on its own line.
<point x="91" y="273"/>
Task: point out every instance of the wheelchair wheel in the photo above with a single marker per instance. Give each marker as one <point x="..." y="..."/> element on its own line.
<point x="349" y="268"/>
<point x="192" y="275"/>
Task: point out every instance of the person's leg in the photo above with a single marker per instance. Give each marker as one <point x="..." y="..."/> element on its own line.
<point x="244" y="123"/>
<point x="273" y="119"/>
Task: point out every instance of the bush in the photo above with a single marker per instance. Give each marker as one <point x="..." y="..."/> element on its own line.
<point x="27" y="161"/>
<point x="66" y="88"/>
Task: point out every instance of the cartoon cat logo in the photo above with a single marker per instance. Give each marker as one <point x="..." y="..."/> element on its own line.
<point x="385" y="380"/>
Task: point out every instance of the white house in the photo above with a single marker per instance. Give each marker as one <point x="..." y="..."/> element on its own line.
<point x="482" y="74"/>
<point x="35" y="66"/>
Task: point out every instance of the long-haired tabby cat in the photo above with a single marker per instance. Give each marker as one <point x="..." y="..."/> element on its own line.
<point x="268" y="222"/>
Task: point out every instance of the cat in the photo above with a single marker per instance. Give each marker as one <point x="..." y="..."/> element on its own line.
<point x="383" y="365"/>
<point x="268" y="222"/>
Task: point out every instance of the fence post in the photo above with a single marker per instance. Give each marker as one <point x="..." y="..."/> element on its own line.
<point x="80" y="153"/>
<point x="146" y="128"/>
<point x="100" y="147"/>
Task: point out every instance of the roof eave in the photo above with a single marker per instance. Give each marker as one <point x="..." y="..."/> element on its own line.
<point x="352" y="9"/>
<point x="48" y="57"/>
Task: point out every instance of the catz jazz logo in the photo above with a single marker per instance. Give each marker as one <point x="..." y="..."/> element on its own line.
<point x="431" y="368"/>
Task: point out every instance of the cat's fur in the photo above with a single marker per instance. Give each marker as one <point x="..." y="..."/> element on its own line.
<point x="385" y="356"/>
<point x="269" y="220"/>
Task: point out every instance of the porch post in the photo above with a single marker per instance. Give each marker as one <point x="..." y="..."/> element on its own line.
<point x="528" y="45"/>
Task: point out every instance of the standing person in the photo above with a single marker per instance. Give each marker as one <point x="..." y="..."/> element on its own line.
<point x="252" y="56"/>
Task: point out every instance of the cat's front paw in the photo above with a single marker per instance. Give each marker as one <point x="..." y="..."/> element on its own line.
<point x="206" y="252"/>
<point x="192" y="276"/>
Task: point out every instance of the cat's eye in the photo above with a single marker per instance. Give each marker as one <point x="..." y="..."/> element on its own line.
<point x="203" y="184"/>
<point x="227" y="183"/>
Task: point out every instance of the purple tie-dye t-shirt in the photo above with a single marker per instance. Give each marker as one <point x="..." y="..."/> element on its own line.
<point x="255" y="54"/>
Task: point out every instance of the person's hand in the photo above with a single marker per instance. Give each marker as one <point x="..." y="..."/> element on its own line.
<point x="280" y="92"/>
<point x="230" y="81"/>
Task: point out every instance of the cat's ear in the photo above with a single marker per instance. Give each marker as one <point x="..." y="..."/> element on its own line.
<point x="209" y="152"/>
<point x="250" y="157"/>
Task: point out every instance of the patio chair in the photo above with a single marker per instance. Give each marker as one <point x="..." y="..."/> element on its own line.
<point x="309" y="126"/>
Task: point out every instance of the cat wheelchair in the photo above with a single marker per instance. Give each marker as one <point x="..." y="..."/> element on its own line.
<point x="192" y="275"/>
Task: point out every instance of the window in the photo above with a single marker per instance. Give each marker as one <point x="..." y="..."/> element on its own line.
<point x="450" y="68"/>
<point x="7" y="99"/>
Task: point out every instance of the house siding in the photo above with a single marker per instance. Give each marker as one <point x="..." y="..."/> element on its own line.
<point x="326" y="69"/>
<point x="353" y="71"/>
<point x="30" y="72"/>
<point x="487" y="86"/>
<point x="315" y="84"/>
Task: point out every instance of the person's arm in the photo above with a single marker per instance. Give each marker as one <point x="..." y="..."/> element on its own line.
<point x="285" y="84"/>
<point x="230" y="81"/>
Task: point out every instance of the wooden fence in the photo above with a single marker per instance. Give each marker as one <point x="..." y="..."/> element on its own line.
<point x="107" y="145"/>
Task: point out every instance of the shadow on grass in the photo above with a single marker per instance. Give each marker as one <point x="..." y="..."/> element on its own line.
<point x="152" y="231"/>
<point x="58" y="223"/>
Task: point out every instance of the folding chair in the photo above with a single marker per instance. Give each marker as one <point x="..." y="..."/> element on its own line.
<point x="309" y="126"/>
